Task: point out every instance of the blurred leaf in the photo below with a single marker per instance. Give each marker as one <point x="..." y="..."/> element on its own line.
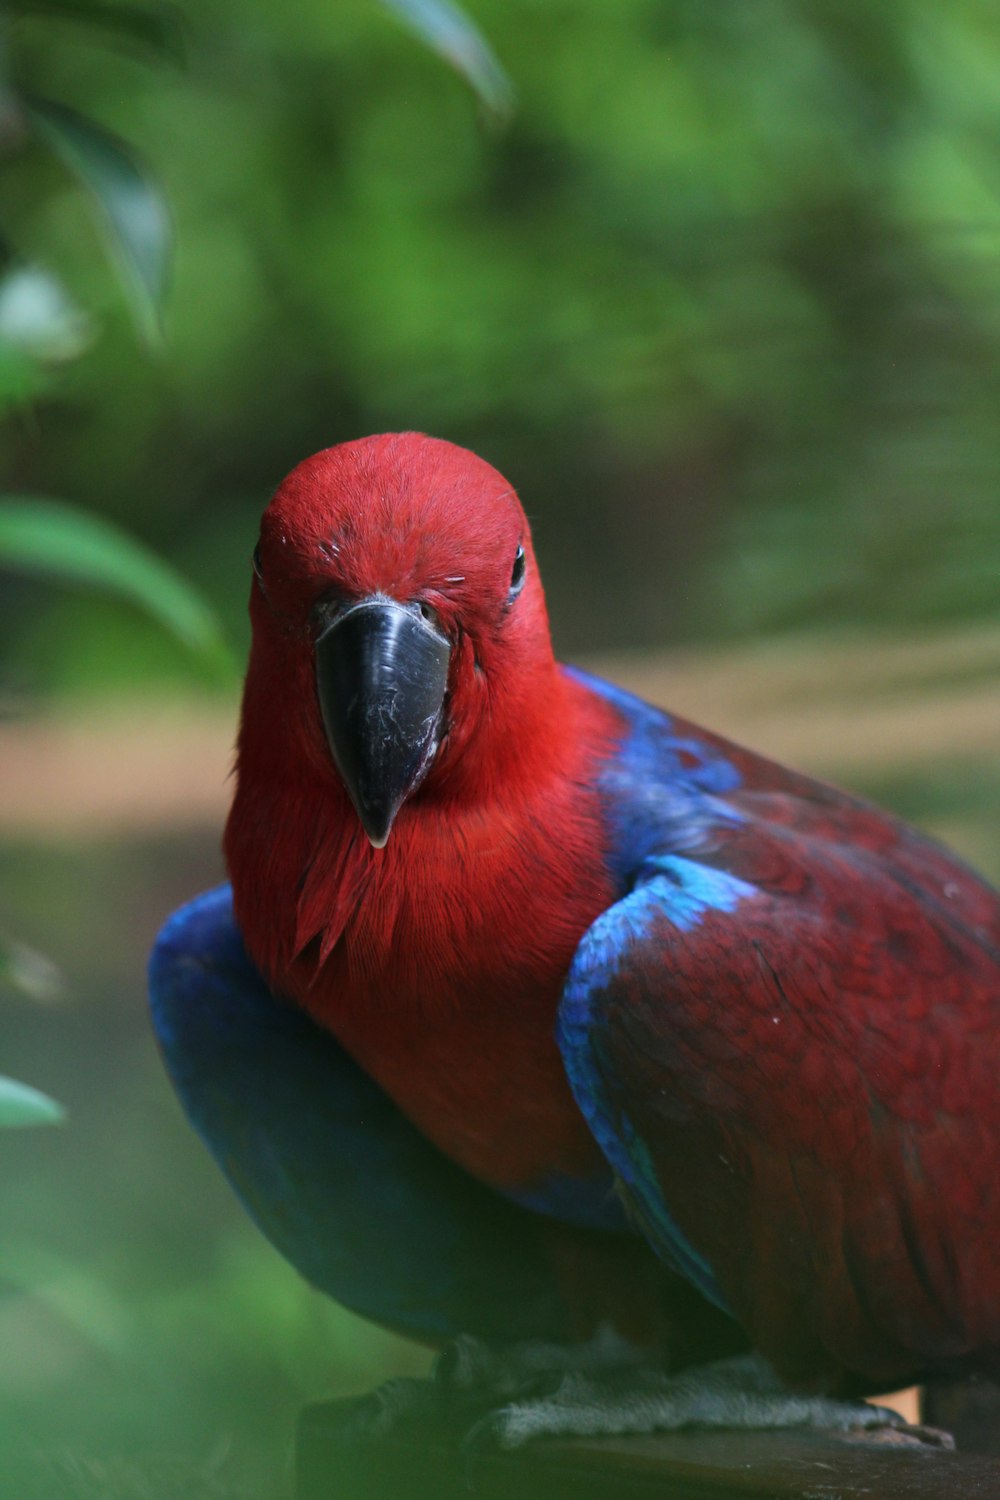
<point x="20" y="1104"/>
<point x="78" y="1295"/>
<point x="38" y="318"/>
<point x="46" y="536"/>
<point x="29" y="971"/>
<point x="132" y="204"/>
<point x="450" y="33"/>
<point x="22" y="379"/>
<point x="157" y="28"/>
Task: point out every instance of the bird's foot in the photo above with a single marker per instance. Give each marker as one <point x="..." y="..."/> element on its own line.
<point x="471" y="1380"/>
<point x="505" y="1397"/>
<point x="742" y="1392"/>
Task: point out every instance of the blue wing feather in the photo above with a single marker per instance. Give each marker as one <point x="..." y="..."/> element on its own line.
<point x="680" y="891"/>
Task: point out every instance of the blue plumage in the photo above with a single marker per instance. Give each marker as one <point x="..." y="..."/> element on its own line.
<point x="342" y="1184"/>
<point x="662" y="790"/>
<point x="613" y="936"/>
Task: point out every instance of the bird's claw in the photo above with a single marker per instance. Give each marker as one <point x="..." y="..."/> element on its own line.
<point x="900" y="1434"/>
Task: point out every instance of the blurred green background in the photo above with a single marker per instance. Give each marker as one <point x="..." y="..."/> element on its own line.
<point x="717" y="287"/>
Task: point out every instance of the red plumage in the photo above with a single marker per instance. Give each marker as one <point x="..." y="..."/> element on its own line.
<point x="809" y="1064"/>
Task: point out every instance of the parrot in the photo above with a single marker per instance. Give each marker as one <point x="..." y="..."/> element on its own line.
<point x="647" y="1081"/>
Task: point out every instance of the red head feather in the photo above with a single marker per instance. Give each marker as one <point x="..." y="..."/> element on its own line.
<point x="412" y="518"/>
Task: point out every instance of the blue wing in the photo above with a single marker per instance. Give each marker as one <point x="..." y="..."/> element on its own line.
<point x="345" y="1187"/>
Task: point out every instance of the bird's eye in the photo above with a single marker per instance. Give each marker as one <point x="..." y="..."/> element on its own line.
<point x="257" y="566"/>
<point x="517" y="575"/>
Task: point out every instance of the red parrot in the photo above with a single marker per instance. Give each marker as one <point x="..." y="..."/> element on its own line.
<point x="535" y="1009"/>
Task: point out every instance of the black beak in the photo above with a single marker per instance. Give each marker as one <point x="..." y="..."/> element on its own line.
<point x="381" y="673"/>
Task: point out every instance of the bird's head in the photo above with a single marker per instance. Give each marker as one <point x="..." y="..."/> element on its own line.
<point x="399" y="624"/>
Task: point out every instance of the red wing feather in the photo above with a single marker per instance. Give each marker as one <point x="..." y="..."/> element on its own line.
<point x="815" y="1075"/>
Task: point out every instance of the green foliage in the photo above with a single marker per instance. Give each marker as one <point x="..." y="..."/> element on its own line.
<point x="21" y="968"/>
<point x="448" y="31"/>
<point x="154" y="29"/>
<point x="720" y="300"/>
<point x="42" y="328"/>
<point x="133" y="208"/>
<point x="22" y="1105"/>
<point x="62" y="542"/>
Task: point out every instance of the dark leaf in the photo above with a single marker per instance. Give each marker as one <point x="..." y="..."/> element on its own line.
<point x="157" y="29"/>
<point x="133" y="207"/>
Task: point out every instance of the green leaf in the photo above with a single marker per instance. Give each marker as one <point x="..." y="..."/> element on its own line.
<point x="155" y="28"/>
<point x="60" y="541"/>
<point x="450" y="33"/>
<point x="20" y="1104"/>
<point x="132" y="205"/>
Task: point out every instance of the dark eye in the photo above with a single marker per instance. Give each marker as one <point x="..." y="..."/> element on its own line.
<point x="256" y="563"/>
<point x="517" y="575"/>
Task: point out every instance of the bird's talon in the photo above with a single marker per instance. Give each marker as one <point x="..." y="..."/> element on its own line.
<point x="900" y="1434"/>
<point x="934" y="1437"/>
